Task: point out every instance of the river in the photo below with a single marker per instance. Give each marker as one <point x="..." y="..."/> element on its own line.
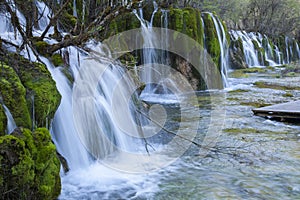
<point x="251" y="157"/>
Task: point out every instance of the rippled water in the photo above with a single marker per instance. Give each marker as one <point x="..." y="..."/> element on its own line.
<point x="251" y="157"/>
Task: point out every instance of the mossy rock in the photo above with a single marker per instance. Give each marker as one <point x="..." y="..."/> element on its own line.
<point x="212" y="42"/>
<point x="187" y="21"/>
<point x="40" y="86"/>
<point x="14" y="95"/>
<point x="29" y="165"/>
<point x="3" y="121"/>
<point x="41" y="47"/>
<point x="20" y="82"/>
<point x="244" y="73"/>
<point x="57" y="60"/>
<point x="275" y="86"/>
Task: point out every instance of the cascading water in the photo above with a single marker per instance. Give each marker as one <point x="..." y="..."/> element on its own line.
<point x="11" y="125"/>
<point x="259" y="50"/>
<point x="223" y="48"/>
<point x="152" y="56"/>
<point x="149" y="54"/>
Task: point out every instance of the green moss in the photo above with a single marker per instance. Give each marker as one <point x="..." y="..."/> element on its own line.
<point x="3" y="121"/>
<point x="243" y="73"/>
<point x="238" y="91"/>
<point x="17" y="168"/>
<point x="241" y="130"/>
<point x="29" y="165"/>
<point x="14" y="95"/>
<point x="42" y="88"/>
<point x="18" y="88"/>
<point x="187" y="21"/>
<point x="262" y="84"/>
<point x="57" y="60"/>
<point x="41" y="47"/>
<point x="212" y="41"/>
<point x="238" y="74"/>
<point x="250" y="131"/>
<point x="288" y="94"/>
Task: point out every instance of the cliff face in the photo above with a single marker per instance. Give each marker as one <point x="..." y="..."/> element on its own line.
<point x="203" y="28"/>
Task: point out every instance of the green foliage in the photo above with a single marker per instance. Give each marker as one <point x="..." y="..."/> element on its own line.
<point x="3" y="121"/>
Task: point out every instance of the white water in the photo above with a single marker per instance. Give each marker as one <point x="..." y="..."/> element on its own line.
<point x="274" y="56"/>
<point x="149" y="54"/>
<point x="11" y="124"/>
<point x="224" y="49"/>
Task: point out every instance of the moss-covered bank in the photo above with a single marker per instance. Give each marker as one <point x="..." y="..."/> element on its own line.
<point x="23" y="83"/>
<point x="29" y="165"/>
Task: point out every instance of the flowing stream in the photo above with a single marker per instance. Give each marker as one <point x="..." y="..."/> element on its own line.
<point x="253" y="158"/>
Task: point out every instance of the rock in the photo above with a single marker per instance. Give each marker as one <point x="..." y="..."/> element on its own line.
<point x="3" y="121"/>
<point x="22" y="83"/>
<point x="29" y="165"/>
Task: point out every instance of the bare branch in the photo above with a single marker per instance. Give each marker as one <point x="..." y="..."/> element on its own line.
<point x="53" y="19"/>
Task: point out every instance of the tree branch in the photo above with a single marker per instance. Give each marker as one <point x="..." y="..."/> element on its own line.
<point x="54" y="19"/>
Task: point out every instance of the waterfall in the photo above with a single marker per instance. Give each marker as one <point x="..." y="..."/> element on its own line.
<point x="259" y="50"/>
<point x="44" y="14"/>
<point x="149" y="54"/>
<point x="11" y="125"/>
<point x="153" y="56"/>
<point x="63" y="129"/>
<point x="77" y="138"/>
<point x="298" y="49"/>
<point x="74" y="9"/>
<point x="223" y="47"/>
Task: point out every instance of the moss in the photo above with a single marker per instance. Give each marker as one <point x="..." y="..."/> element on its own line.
<point x="14" y="95"/>
<point x="57" y="59"/>
<point x="17" y="168"/>
<point x="25" y="81"/>
<point x="29" y="165"/>
<point x="238" y="91"/>
<point x="262" y="84"/>
<point x="41" y="47"/>
<point x="124" y="22"/>
<point x="42" y="88"/>
<point x="187" y="21"/>
<point x="238" y="74"/>
<point x="212" y="42"/>
<point x="288" y="94"/>
<point x="243" y="73"/>
<point x="250" y="131"/>
<point x="3" y="121"/>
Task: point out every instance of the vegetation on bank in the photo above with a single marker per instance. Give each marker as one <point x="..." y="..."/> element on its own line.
<point x="29" y="164"/>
